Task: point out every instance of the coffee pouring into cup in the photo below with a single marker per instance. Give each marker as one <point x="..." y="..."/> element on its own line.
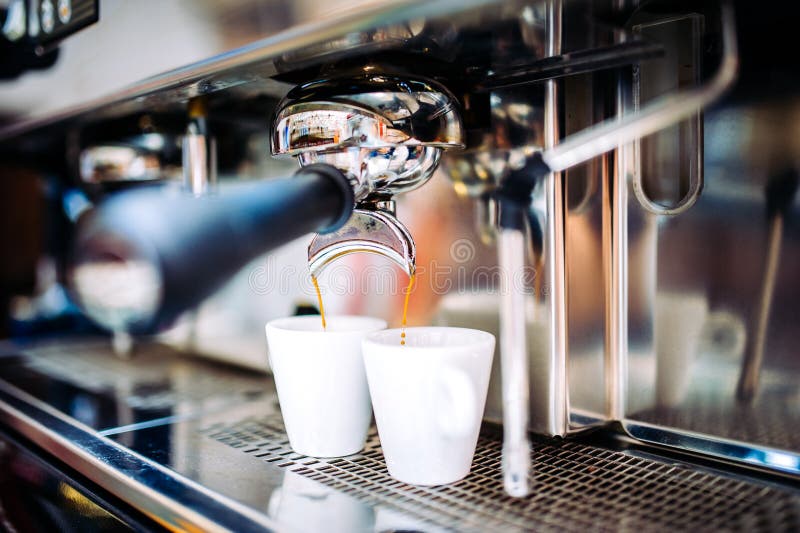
<point x="387" y="135"/>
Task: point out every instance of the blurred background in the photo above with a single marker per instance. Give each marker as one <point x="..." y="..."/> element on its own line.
<point x="140" y="39"/>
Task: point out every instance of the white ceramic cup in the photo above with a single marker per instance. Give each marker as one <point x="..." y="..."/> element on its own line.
<point x="319" y="376"/>
<point x="428" y="397"/>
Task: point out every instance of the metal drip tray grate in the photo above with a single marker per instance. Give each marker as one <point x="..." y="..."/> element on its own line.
<point x="575" y="486"/>
<point x="772" y="420"/>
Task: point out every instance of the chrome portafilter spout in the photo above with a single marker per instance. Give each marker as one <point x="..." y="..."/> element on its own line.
<point x="386" y="134"/>
<point x="372" y="228"/>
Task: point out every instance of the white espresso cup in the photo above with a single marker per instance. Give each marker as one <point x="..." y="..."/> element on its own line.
<point x="319" y="376"/>
<point x="428" y="396"/>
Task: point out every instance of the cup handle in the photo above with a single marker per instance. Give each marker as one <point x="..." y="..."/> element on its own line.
<point x="459" y="420"/>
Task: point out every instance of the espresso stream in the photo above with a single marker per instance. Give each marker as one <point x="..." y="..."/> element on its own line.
<point x="405" y="305"/>
<point x="405" y="308"/>
<point x="319" y="299"/>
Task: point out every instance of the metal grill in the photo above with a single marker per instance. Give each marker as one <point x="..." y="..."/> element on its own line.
<point x="771" y="420"/>
<point x="575" y="486"/>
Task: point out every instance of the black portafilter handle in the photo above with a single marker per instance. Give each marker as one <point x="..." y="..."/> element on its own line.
<point x="193" y="245"/>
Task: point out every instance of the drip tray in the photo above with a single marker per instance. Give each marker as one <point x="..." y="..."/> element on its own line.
<point x="203" y="445"/>
<point x="575" y="486"/>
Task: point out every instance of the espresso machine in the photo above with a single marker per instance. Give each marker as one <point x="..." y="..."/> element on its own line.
<point x="606" y="186"/>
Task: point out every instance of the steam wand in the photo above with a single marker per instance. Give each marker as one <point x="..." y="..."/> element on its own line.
<point x="514" y="198"/>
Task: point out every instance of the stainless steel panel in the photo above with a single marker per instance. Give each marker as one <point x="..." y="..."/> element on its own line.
<point x="699" y="308"/>
<point x="171" y="500"/>
<point x="105" y="392"/>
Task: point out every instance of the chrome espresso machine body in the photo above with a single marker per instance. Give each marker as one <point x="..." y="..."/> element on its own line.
<point x="609" y="187"/>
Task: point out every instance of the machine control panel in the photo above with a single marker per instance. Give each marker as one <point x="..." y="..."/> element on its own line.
<point x="43" y="23"/>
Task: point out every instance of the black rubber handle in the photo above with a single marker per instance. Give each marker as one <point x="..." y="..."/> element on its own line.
<point x="196" y="244"/>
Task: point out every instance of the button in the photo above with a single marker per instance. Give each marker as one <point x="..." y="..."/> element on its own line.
<point x="64" y="10"/>
<point x="33" y="18"/>
<point x="14" y="27"/>
<point x="48" y="16"/>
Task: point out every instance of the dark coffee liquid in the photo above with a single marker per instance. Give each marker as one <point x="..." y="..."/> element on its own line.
<point x="405" y="309"/>
<point x="405" y="305"/>
<point x="319" y="299"/>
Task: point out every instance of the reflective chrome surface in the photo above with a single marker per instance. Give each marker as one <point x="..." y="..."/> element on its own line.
<point x="706" y="276"/>
<point x="199" y="151"/>
<point x="36" y="494"/>
<point x="657" y="115"/>
<point x="670" y="196"/>
<point x="197" y="463"/>
<point x="645" y="313"/>
<point x="132" y="161"/>
<point x="579" y="147"/>
<point x="750" y="374"/>
<point x="511" y="248"/>
<point x="212" y="67"/>
<point x="556" y="405"/>
<point x="386" y="134"/>
<point x="516" y="123"/>
<point x="615" y="204"/>
<point x="369" y="230"/>
<point x="699" y="281"/>
<point x="169" y="499"/>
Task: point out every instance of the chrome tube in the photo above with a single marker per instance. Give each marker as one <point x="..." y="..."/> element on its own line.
<point x="659" y="114"/>
<point x="511" y="248"/>
<point x="199" y="163"/>
<point x="199" y="152"/>
<point x="555" y="260"/>
<point x="617" y="279"/>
